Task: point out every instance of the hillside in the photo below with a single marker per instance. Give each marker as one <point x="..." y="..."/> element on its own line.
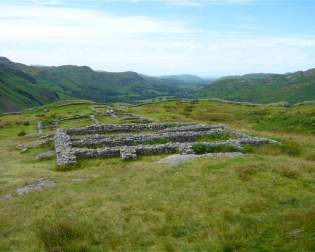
<point x="186" y="79"/>
<point x="261" y="201"/>
<point x="263" y="88"/>
<point x="24" y="86"/>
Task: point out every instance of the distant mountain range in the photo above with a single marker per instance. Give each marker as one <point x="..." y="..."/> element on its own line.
<point x="23" y="86"/>
<point x="263" y="88"/>
<point x="187" y="79"/>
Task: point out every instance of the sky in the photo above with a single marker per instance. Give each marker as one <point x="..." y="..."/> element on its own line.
<point x="161" y="37"/>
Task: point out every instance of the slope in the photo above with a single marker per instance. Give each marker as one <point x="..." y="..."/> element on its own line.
<point x="24" y="86"/>
<point x="264" y="88"/>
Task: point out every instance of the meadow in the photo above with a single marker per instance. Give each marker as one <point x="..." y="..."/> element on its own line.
<point x="262" y="201"/>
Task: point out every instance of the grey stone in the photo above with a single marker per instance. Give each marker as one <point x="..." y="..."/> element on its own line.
<point x="127" y="153"/>
<point x="63" y="148"/>
<point x="35" y="186"/>
<point x="45" y="155"/>
<point x="92" y="141"/>
<point x="178" y="158"/>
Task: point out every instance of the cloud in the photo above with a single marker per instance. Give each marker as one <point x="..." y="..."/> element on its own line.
<point x="51" y="35"/>
<point x="200" y="3"/>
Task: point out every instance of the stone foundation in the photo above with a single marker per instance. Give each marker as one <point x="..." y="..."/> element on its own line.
<point x="94" y="141"/>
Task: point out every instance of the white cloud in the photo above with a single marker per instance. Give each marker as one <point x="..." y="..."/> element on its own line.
<point x="199" y="3"/>
<point x="59" y="35"/>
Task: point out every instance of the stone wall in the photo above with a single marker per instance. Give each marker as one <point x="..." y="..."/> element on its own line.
<point x="111" y="141"/>
<point x="107" y="128"/>
<point x="73" y="144"/>
<point x="63" y="148"/>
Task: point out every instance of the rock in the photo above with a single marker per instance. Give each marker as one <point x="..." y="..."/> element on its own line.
<point x="24" y="150"/>
<point x="177" y="158"/>
<point x="94" y="119"/>
<point x="127" y="153"/>
<point x="63" y="149"/>
<point x="40" y="128"/>
<point x="37" y="185"/>
<point x="45" y="155"/>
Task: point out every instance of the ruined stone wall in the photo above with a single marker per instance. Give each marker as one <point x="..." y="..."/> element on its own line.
<point x="63" y="148"/>
<point x="73" y="144"/>
<point x="107" y="128"/>
<point x="181" y="136"/>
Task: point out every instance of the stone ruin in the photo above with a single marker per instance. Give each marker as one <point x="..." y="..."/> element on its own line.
<point x="130" y="140"/>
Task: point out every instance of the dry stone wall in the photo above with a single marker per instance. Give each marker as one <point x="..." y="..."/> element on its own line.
<point x="63" y="148"/>
<point x="94" y="141"/>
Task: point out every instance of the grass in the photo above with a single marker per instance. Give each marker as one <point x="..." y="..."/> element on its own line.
<point x="200" y="148"/>
<point x="215" y="137"/>
<point x="262" y="201"/>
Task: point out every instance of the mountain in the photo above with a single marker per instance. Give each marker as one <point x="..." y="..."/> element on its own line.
<point x="4" y="60"/>
<point x="263" y="88"/>
<point x="23" y="86"/>
<point x="186" y="79"/>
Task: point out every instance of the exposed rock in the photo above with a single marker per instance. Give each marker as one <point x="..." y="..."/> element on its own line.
<point x="34" y="144"/>
<point x="178" y="158"/>
<point x="45" y="155"/>
<point x="24" y="150"/>
<point x="37" y="185"/>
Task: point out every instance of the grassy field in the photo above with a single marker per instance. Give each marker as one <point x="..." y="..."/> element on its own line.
<point x="262" y="201"/>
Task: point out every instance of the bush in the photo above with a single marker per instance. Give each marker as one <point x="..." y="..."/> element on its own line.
<point x="205" y="148"/>
<point x="26" y="123"/>
<point x="21" y="133"/>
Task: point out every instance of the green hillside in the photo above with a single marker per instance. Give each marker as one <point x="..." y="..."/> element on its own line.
<point x="262" y="201"/>
<point x="24" y="86"/>
<point x="264" y="88"/>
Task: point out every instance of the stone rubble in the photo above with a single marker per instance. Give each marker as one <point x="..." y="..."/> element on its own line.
<point x="37" y="185"/>
<point x="45" y="155"/>
<point x="181" y="158"/>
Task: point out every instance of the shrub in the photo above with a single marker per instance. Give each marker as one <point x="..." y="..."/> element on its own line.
<point x="205" y="148"/>
<point x="26" y="123"/>
<point x="21" y="133"/>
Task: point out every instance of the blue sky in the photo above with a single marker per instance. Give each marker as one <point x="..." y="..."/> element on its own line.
<point x="159" y="37"/>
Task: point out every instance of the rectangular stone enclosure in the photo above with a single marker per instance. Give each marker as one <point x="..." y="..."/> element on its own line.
<point x="130" y="140"/>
